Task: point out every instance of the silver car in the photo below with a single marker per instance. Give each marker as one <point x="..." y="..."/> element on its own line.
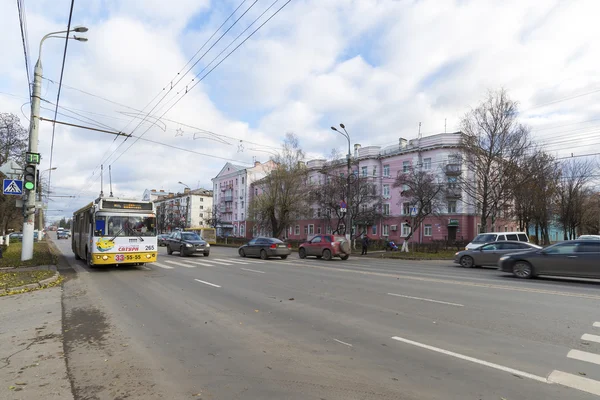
<point x="490" y="253"/>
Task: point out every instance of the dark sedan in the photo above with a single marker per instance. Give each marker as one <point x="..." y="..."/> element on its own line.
<point x="490" y="253"/>
<point x="187" y="243"/>
<point x="162" y="239"/>
<point x="265" y="248"/>
<point x="576" y="258"/>
<point x="62" y="235"/>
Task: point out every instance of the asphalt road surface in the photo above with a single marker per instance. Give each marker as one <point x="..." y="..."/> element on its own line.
<point x="226" y="327"/>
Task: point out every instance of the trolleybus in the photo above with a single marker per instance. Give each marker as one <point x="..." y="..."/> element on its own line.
<point x="115" y="231"/>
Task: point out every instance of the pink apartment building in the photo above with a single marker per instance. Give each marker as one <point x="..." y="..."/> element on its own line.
<point x="457" y="220"/>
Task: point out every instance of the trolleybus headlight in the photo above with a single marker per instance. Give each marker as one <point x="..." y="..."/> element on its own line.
<point x="105" y="258"/>
<point x="148" y="256"/>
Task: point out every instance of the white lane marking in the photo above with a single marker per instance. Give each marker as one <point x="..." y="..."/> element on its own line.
<point x="474" y="360"/>
<point x="339" y="341"/>
<point x="204" y="264"/>
<point x="254" y="261"/>
<point x="423" y="299"/>
<point x="162" y="265"/>
<point x="596" y="324"/>
<point x="591" y="338"/>
<point x="252" y="270"/>
<point x="180" y="264"/>
<point x="207" y="283"/>
<point x="230" y="261"/>
<point x="584" y="356"/>
<point x="575" y="382"/>
<point x="219" y="262"/>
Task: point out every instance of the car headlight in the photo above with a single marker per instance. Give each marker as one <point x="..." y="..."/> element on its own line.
<point x="457" y="253"/>
<point x="189" y="245"/>
<point x="207" y="244"/>
<point x="504" y="258"/>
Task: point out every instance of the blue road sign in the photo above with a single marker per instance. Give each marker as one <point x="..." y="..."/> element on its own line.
<point x="12" y="186"/>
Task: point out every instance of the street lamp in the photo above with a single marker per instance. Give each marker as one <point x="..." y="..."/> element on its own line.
<point x="348" y="157"/>
<point x="34" y="124"/>
<point x="181" y="183"/>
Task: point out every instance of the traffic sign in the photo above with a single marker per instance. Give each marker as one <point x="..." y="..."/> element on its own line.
<point x="343" y="204"/>
<point x="12" y="187"/>
<point x="413" y="212"/>
<point x="343" y="209"/>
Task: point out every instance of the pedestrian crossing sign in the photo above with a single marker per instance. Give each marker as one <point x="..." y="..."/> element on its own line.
<point x="12" y="187"/>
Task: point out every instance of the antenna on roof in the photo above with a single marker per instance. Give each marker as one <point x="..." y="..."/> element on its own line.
<point x="445" y="125"/>
<point x="110" y="180"/>
<point x="102" y="180"/>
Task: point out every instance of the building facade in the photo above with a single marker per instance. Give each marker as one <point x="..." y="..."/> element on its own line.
<point x="455" y="220"/>
<point x="190" y="209"/>
<point x="231" y="194"/>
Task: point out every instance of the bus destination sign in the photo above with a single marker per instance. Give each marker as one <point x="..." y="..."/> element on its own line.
<point x="119" y="205"/>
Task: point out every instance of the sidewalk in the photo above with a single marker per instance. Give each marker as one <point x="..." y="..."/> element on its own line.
<point x="32" y="363"/>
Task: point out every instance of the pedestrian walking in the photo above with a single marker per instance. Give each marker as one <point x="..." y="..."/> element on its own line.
<point x="365" y="245"/>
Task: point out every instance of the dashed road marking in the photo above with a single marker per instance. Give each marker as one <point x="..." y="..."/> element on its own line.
<point x="339" y="341"/>
<point x="575" y="382"/>
<point x="473" y="360"/>
<point x="207" y="283"/>
<point x="424" y="299"/>
<point x="252" y="270"/>
<point x="591" y="338"/>
<point x="180" y="264"/>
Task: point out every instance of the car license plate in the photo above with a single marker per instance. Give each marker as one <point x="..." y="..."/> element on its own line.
<point x="282" y="245"/>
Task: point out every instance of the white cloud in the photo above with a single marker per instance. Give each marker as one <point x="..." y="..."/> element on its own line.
<point x="379" y="66"/>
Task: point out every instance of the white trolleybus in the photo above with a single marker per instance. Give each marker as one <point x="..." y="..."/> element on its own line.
<point x="115" y="231"/>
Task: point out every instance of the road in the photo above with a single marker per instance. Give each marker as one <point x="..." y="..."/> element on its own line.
<point x="226" y="327"/>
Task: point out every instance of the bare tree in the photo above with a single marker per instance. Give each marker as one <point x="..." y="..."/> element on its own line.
<point x="13" y="142"/>
<point x="283" y="196"/>
<point x="493" y="146"/>
<point x="534" y="191"/>
<point x="423" y="191"/>
<point x="573" y="192"/>
<point x="213" y="217"/>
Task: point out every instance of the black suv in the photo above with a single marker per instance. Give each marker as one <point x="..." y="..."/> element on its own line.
<point x="187" y="243"/>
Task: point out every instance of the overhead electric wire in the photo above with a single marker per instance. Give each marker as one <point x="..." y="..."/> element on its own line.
<point x="62" y="70"/>
<point x="205" y="75"/>
<point x="158" y="94"/>
<point x="25" y="40"/>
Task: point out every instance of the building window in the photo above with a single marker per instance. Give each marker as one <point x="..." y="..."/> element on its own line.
<point x="427" y="230"/>
<point x="364" y="171"/>
<point x="242" y="216"/>
<point x="201" y="199"/>
<point x="235" y="230"/>
<point x="386" y="209"/>
<point x="405" y="166"/>
<point x="318" y="230"/>
<point x="242" y="227"/>
<point x="386" y="170"/>
<point x="405" y="208"/>
<point x="452" y="207"/>
<point x="386" y="230"/>
<point x="236" y="216"/>
<point x="374" y="230"/>
<point x="311" y="229"/>
<point x="256" y="191"/>
<point x="328" y="230"/>
<point x="452" y="181"/>
<point x="242" y="204"/>
<point x="310" y="180"/>
<point x="374" y="170"/>
<point x="427" y="163"/>
<point x="305" y="230"/>
<point x="405" y="229"/>
<point x="386" y="191"/>
<point x="318" y="213"/>
<point x="297" y="230"/>
<point x="201" y="215"/>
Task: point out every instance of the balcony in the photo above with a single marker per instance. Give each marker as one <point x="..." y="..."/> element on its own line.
<point x="453" y="169"/>
<point x="453" y="193"/>
<point x="228" y="198"/>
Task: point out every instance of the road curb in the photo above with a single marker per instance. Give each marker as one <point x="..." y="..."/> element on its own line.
<point x="31" y="286"/>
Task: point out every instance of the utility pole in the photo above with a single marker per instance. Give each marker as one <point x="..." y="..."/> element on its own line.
<point x="348" y="228"/>
<point x="29" y="203"/>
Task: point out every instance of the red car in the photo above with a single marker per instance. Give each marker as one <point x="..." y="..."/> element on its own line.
<point x="326" y="246"/>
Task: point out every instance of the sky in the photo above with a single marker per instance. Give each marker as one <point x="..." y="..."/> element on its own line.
<point x="171" y="73"/>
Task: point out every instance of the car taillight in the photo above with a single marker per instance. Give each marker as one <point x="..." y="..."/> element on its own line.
<point x="273" y="246"/>
<point x="289" y="246"/>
